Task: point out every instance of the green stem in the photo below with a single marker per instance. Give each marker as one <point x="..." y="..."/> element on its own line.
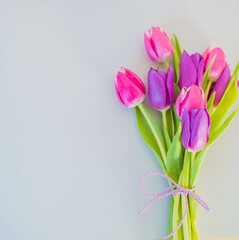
<point x="165" y="129"/>
<point x="176" y="211"/>
<point x="160" y="144"/>
<point x="186" y="167"/>
<point x="193" y="207"/>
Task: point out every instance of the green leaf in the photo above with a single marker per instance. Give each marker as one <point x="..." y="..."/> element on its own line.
<point x="197" y="165"/>
<point x="206" y="75"/>
<point x="233" y="79"/>
<point x="219" y="131"/>
<point x="226" y="103"/>
<point x="151" y="134"/>
<point x="176" y="91"/>
<point x="210" y="102"/>
<point x="176" y="118"/>
<point x="175" y="156"/>
<point x="170" y="123"/>
<point x="177" y="46"/>
<point x="177" y="57"/>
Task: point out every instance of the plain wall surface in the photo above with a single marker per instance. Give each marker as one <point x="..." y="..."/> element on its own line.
<point x="70" y="155"/>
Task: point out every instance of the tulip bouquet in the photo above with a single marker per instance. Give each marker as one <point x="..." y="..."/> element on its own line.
<point x="195" y="97"/>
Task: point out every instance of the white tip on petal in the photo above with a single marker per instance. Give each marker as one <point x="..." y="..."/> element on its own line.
<point x="123" y="70"/>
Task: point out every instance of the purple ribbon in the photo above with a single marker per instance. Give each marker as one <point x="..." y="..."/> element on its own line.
<point x="176" y="189"/>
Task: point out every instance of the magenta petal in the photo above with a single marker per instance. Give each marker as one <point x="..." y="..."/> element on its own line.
<point x="130" y="89"/>
<point x="185" y="129"/>
<point x="196" y="58"/>
<point x="156" y="89"/>
<point x="221" y="85"/>
<point x="218" y="65"/>
<point x="170" y="86"/>
<point x="158" y="45"/>
<point x="199" y="130"/>
<point x="188" y="72"/>
<point x="149" y="48"/>
<point x="200" y="68"/>
<point x="199" y="64"/>
<point x="193" y="98"/>
<point x="162" y="44"/>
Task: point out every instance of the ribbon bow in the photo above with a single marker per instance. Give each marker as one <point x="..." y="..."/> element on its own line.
<point x="176" y="189"/>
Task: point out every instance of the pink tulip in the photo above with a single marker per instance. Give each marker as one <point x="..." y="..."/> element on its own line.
<point x="130" y="89"/>
<point x="158" y="45"/>
<point x="218" y="65"/>
<point x="190" y="98"/>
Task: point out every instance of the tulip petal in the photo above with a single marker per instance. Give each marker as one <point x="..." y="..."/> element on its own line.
<point x="170" y="86"/>
<point x="199" y="129"/>
<point x="188" y="72"/>
<point x="130" y="89"/>
<point x="149" y="46"/>
<point x="156" y="89"/>
<point x="196" y="58"/>
<point x="185" y="129"/>
<point x="134" y="79"/>
<point x="157" y="44"/>
<point x="194" y="99"/>
<point x="200" y="72"/>
<point x="179" y="100"/>
<point x="221" y="85"/>
<point x="218" y="65"/>
<point x="163" y="45"/>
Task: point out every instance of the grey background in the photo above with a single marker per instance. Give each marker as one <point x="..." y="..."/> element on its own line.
<point x="70" y="155"/>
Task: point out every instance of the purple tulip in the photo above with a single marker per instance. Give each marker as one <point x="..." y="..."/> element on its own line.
<point x="129" y="88"/>
<point x="221" y="85"/>
<point x="191" y="70"/>
<point x="195" y="129"/>
<point x="161" y="88"/>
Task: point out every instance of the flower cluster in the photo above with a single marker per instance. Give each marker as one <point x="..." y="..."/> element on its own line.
<point x="191" y="102"/>
<point x="195" y="96"/>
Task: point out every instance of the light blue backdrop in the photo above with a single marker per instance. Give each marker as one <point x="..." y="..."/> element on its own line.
<point x="70" y="155"/>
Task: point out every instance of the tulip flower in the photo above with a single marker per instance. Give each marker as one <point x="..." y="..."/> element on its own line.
<point x="195" y="129"/>
<point x="130" y="89"/>
<point x="218" y="65"/>
<point x="189" y="98"/>
<point x="191" y="70"/>
<point x="158" y="45"/>
<point x="161" y="88"/>
<point x="221" y="85"/>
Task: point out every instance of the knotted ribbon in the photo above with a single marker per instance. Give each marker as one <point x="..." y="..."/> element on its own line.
<point x="174" y="189"/>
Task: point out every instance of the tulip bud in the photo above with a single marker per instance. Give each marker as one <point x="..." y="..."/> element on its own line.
<point x="189" y="98"/>
<point x="195" y="129"/>
<point x="221" y="85"/>
<point x="158" y="45"/>
<point x="191" y="70"/>
<point x="130" y="89"/>
<point x="218" y="65"/>
<point x="161" y="88"/>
